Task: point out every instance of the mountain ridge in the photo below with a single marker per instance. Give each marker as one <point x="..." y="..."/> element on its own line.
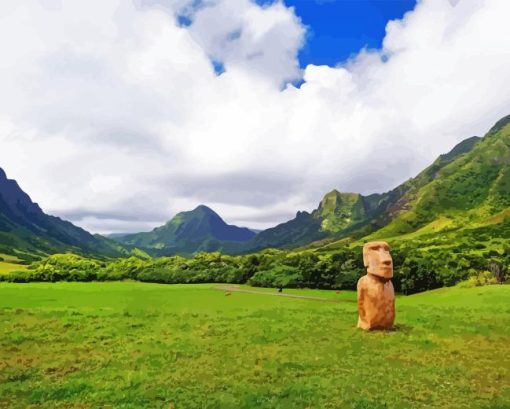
<point x="200" y="229"/>
<point x="26" y="229"/>
<point x="341" y="214"/>
<point x="466" y="186"/>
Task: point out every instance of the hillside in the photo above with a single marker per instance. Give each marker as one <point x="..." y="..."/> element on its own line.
<point x="26" y="230"/>
<point x="336" y="212"/>
<point x="467" y="188"/>
<point x="341" y="214"/>
<point x="200" y="229"/>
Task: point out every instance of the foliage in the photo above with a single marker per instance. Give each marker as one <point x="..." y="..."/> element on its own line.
<point x="478" y="279"/>
<point x="419" y="265"/>
<point x="279" y="276"/>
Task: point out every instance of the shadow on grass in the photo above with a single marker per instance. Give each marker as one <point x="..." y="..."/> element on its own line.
<point x="403" y="328"/>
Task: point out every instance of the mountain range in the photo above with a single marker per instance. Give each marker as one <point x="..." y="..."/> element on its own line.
<point x="25" y="230"/>
<point x="464" y="188"/>
<point x="468" y="186"/>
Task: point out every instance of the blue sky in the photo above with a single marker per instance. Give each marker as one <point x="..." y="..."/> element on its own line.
<point x="339" y="28"/>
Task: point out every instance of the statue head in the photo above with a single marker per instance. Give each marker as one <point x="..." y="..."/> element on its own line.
<point x="377" y="259"/>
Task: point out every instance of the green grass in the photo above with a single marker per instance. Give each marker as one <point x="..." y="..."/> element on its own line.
<point x="340" y="295"/>
<point x="135" y="345"/>
<point x="10" y="258"/>
<point x="6" y="267"/>
<point x="10" y="263"/>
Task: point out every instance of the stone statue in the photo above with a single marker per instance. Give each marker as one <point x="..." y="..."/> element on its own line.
<point x="376" y="297"/>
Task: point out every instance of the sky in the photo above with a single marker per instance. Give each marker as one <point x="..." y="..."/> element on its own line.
<point x="338" y="29"/>
<point x="118" y="114"/>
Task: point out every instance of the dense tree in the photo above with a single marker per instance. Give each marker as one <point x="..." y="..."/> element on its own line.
<point x="418" y="266"/>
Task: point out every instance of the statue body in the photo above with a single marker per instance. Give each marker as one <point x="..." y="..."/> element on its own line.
<point x="376" y="296"/>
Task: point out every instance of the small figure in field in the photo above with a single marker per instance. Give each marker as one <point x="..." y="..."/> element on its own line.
<point x="280" y="289"/>
<point x="376" y="297"/>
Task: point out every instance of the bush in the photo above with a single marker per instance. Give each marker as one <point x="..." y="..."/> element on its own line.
<point x="418" y="266"/>
<point x="65" y="267"/>
<point x="279" y="276"/>
<point x="479" y="279"/>
<point x="18" y="277"/>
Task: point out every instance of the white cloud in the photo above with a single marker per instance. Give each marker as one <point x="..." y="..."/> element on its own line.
<point x="111" y="113"/>
<point x="245" y="36"/>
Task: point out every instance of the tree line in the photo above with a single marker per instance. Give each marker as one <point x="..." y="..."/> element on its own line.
<point x="415" y="269"/>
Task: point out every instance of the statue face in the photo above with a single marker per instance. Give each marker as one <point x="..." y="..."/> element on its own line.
<point x="377" y="259"/>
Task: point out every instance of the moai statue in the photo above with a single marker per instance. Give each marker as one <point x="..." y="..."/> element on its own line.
<point x="376" y="297"/>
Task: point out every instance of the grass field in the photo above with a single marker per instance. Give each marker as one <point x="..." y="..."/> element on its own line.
<point x="6" y="267"/>
<point x="10" y="263"/>
<point x="135" y="345"/>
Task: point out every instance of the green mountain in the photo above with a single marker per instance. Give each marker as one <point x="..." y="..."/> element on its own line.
<point x="301" y="230"/>
<point x="463" y="187"/>
<point x="466" y="188"/>
<point x="25" y="230"/>
<point x="339" y="211"/>
<point x="188" y="232"/>
<point x="387" y="206"/>
<point x="336" y="212"/>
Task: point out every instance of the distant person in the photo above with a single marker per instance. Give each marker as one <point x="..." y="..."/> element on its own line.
<point x="280" y="289"/>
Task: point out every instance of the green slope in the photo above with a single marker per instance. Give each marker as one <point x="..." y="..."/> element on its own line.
<point x="341" y="214"/>
<point x="26" y="231"/>
<point x="188" y="232"/>
<point x="468" y="187"/>
<point x="465" y="190"/>
<point x="301" y="230"/>
<point x="336" y="212"/>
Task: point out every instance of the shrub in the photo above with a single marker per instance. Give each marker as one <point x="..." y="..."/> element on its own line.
<point x="279" y="276"/>
<point x="479" y="279"/>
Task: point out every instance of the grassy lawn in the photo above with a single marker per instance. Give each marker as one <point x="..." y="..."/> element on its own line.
<point x="6" y="267"/>
<point x="341" y="295"/>
<point x="135" y="345"/>
<point x="10" y="263"/>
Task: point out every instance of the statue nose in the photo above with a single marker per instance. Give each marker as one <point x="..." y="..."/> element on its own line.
<point x="387" y="262"/>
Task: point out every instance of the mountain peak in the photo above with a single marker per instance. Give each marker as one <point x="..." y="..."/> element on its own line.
<point x="500" y="124"/>
<point x="203" y="209"/>
<point x="27" y="228"/>
<point x="200" y="229"/>
<point x="334" y="192"/>
<point x="462" y="147"/>
<point x="15" y="198"/>
<point x="332" y="200"/>
<point x="337" y="210"/>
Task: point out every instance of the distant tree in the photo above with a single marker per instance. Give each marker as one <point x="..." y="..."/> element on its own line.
<point x="497" y="271"/>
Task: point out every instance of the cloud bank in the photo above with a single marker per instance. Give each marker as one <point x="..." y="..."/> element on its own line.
<point x="112" y="114"/>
